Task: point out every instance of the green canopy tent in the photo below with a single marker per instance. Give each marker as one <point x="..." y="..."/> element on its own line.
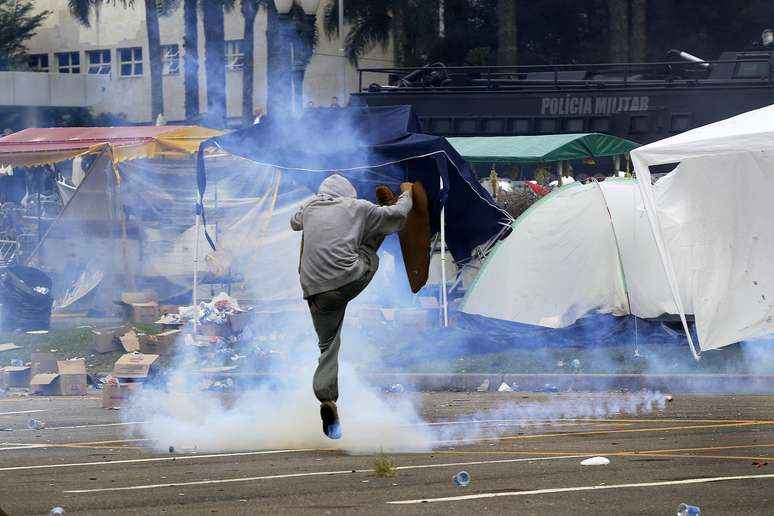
<point x="540" y="149"/>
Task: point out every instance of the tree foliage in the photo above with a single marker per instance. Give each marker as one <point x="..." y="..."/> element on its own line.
<point x="549" y="31"/>
<point x="18" y="23"/>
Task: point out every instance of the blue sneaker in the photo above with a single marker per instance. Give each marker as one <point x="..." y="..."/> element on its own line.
<point x="330" y="420"/>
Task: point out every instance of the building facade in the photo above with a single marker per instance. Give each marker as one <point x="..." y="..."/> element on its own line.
<point x="113" y="55"/>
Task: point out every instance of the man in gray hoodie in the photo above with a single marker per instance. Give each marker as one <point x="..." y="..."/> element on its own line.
<point x="338" y="259"/>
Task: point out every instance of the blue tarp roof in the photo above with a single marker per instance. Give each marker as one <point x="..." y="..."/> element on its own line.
<point x="371" y="146"/>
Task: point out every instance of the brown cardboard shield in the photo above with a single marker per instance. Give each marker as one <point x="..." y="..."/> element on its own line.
<point x="415" y="240"/>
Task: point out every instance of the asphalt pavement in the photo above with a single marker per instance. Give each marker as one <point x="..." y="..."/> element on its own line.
<point x="716" y="452"/>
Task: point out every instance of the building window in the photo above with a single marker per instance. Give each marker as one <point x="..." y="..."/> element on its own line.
<point x="494" y="125"/>
<point x="680" y="122"/>
<point x="466" y="126"/>
<point x="99" y="62"/>
<point x="574" y="125"/>
<point x="170" y="59"/>
<point x="520" y="125"/>
<point x="547" y="125"/>
<point x="235" y="55"/>
<point x="130" y="61"/>
<point x="68" y="62"/>
<point x="639" y="124"/>
<point x="38" y="62"/>
<point x="600" y="124"/>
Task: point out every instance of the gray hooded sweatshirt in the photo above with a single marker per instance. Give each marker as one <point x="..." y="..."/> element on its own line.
<point x="339" y="231"/>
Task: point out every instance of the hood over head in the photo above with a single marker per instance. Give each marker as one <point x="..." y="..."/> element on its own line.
<point x="337" y="186"/>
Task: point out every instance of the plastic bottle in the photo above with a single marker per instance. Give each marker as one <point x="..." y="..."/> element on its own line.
<point x="688" y="510"/>
<point x="35" y="424"/>
<point x="461" y="479"/>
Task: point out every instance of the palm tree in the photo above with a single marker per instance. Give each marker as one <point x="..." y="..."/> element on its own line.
<point x="639" y="39"/>
<point x="81" y="10"/>
<point x="618" y="12"/>
<point x="507" y="51"/>
<point x="249" y="13"/>
<point x="215" y="58"/>
<point x="191" y="59"/>
<point x="372" y="23"/>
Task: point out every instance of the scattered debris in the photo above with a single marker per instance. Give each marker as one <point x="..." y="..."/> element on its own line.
<point x="36" y="424"/>
<point x="396" y="388"/>
<point x="504" y="387"/>
<point x="759" y="464"/>
<point x="688" y="510"/>
<point x="8" y="347"/>
<point x="669" y="398"/>
<point x="461" y="479"/>
<point x="484" y="387"/>
<point x="57" y="511"/>
<point x="596" y="461"/>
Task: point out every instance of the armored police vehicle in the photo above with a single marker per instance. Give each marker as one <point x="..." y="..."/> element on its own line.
<point x="643" y="102"/>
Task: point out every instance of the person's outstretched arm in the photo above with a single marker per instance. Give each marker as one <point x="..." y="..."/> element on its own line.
<point x="390" y="219"/>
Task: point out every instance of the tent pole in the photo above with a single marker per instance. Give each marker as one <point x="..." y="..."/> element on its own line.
<point x="444" y="301"/>
<point x="196" y="262"/>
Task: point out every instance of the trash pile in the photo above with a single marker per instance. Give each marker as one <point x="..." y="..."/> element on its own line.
<point x="220" y="330"/>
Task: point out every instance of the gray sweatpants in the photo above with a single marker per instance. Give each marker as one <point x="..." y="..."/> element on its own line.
<point x="327" y="310"/>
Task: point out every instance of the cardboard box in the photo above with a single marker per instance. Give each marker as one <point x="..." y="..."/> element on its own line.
<point x="131" y="298"/>
<point x="43" y="363"/>
<point x="72" y="377"/>
<point x="130" y="342"/>
<point x="145" y="313"/>
<point x="44" y="383"/>
<point x="68" y="380"/>
<point x="161" y="344"/>
<point x="107" y="340"/>
<point x="134" y="365"/>
<point x="16" y="376"/>
<point x="117" y="395"/>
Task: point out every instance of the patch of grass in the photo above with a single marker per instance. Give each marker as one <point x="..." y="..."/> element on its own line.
<point x="69" y="338"/>
<point x="383" y="466"/>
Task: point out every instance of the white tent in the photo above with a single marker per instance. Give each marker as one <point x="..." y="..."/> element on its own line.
<point x="727" y="167"/>
<point x="582" y="248"/>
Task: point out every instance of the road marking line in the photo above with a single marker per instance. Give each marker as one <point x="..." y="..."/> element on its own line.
<point x="154" y="459"/>
<point x="21" y="412"/>
<point x="20" y="446"/>
<point x="83" y="426"/>
<point x="597" y="432"/>
<point x="93" y="445"/>
<point x="312" y="474"/>
<point x="712" y="448"/>
<point x="582" y="488"/>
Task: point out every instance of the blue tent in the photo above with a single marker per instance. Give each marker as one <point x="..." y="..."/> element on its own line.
<point x="372" y="146"/>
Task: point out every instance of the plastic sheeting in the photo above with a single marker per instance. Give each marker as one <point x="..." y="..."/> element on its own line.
<point x="139" y="234"/>
<point x="729" y="163"/>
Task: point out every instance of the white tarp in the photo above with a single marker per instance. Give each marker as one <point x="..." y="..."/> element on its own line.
<point x="728" y="166"/>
